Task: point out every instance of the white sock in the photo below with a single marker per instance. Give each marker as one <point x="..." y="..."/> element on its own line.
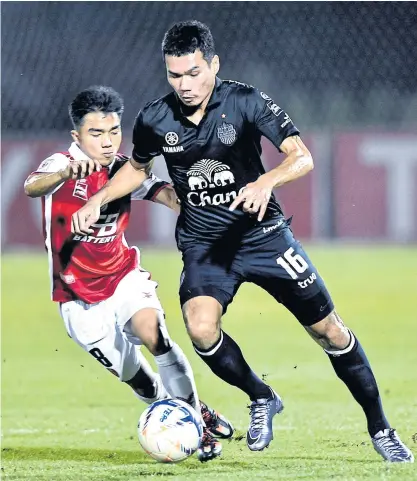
<point x="177" y="376"/>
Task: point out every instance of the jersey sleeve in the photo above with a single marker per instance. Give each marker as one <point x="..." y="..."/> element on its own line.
<point x="268" y="118"/>
<point x="145" y="142"/>
<point x="52" y="164"/>
<point x="150" y="188"/>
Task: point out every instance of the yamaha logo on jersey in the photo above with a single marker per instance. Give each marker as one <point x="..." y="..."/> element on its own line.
<point x="171" y="138"/>
<point x="226" y="133"/>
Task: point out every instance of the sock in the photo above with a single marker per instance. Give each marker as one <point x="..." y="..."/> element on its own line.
<point x="352" y="367"/>
<point x="177" y="376"/>
<point x="226" y="360"/>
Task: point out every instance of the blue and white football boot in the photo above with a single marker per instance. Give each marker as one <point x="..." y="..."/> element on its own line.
<point x="262" y="412"/>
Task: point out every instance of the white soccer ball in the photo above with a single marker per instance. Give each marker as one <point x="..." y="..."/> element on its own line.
<point x="170" y="430"/>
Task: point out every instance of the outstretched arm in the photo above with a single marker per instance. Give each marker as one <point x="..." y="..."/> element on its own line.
<point x="56" y="170"/>
<point x="129" y="178"/>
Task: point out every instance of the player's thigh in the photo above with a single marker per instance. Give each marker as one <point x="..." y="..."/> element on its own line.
<point x="94" y="328"/>
<point x="283" y="268"/>
<point x="207" y="274"/>
<point x="135" y="292"/>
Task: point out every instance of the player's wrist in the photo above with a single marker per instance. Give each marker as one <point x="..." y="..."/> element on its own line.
<point x="96" y="200"/>
<point x="269" y="179"/>
<point x="102" y="197"/>
<point x="64" y="174"/>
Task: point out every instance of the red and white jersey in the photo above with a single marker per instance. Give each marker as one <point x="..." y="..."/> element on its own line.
<point x="87" y="267"/>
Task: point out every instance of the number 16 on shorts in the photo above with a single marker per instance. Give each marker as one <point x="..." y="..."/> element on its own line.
<point x="294" y="264"/>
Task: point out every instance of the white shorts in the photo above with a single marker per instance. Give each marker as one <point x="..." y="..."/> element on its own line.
<point x="103" y="329"/>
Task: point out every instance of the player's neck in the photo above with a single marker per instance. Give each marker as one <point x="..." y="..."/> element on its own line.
<point x="196" y="114"/>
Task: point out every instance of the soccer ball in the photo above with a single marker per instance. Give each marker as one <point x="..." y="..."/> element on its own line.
<point x="170" y="430"/>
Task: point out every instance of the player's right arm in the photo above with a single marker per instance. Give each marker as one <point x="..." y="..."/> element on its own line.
<point x="38" y="184"/>
<point x="56" y="170"/>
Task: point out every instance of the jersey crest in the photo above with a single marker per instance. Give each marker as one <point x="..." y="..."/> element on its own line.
<point x="226" y="133"/>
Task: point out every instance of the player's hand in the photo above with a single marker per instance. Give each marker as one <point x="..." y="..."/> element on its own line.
<point x="255" y="197"/>
<point x="78" y="169"/>
<point x="84" y="218"/>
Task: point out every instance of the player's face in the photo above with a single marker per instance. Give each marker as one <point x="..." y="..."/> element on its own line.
<point x="99" y="136"/>
<point x="192" y="77"/>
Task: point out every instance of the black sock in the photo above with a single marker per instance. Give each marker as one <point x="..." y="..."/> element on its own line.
<point x="226" y="360"/>
<point x="354" y="370"/>
<point x="143" y="383"/>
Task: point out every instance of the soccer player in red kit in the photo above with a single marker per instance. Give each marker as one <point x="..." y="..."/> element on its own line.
<point x="107" y="301"/>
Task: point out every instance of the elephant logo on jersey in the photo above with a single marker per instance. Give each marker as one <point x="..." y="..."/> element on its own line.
<point x="210" y="174"/>
<point x="226" y="133"/>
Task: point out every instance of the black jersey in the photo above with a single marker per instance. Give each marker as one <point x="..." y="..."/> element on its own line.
<point x="209" y="164"/>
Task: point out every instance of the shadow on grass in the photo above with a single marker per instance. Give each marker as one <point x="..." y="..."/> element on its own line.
<point x="26" y="453"/>
<point x="119" y="457"/>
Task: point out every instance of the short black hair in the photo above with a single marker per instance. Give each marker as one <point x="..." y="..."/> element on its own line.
<point x="186" y="37"/>
<point x="95" y="99"/>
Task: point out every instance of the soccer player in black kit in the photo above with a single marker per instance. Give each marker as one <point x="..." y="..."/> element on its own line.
<point x="232" y="229"/>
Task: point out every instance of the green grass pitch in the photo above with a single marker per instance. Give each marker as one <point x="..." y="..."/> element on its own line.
<point x="65" y="418"/>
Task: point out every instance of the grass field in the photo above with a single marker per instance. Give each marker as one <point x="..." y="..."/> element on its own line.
<point x="65" y="418"/>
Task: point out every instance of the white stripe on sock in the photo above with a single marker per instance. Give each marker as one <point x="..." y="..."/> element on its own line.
<point x="346" y="349"/>
<point x="212" y="351"/>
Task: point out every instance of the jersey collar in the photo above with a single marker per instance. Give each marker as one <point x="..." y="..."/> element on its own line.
<point x="77" y="154"/>
<point x="215" y="98"/>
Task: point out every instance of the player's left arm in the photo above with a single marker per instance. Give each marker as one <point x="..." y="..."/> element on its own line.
<point x="298" y="162"/>
<point x="272" y="122"/>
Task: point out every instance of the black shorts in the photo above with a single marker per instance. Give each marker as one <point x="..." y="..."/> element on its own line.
<point x="277" y="263"/>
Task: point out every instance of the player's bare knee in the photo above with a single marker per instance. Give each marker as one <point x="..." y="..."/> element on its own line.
<point x="330" y="333"/>
<point x="203" y="329"/>
<point x="145" y="326"/>
<point x="202" y="322"/>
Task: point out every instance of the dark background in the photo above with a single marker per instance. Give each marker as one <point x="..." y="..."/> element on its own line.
<point x="330" y="64"/>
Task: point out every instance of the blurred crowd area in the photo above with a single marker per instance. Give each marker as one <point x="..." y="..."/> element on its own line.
<point x="344" y="71"/>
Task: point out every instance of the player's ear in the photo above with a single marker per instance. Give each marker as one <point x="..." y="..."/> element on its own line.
<point x="215" y="64"/>
<point x="75" y="136"/>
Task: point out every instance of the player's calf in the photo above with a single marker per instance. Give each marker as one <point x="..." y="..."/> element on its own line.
<point x="352" y="367"/>
<point x="173" y="366"/>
